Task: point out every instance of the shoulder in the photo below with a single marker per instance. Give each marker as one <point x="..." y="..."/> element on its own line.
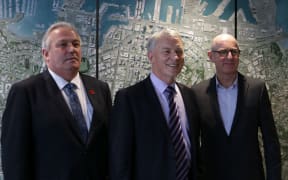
<point x="251" y="81"/>
<point x="142" y="91"/>
<point x="184" y="88"/>
<point x="202" y="85"/>
<point x="137" y="89"/>
<point x="33" y="81"/>
<point x="90" y="81"/>
<point x="26" y="89"/>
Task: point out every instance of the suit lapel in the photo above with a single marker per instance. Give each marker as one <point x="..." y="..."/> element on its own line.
<point x="154" y="103"/>
<point x="242" y="89"/>
<point x="188" y="104"/>
<point x="56" y="95"/>
<point x="92" y="95"/>
<point x="187" y="100"/>
<point x="212" y="92"/>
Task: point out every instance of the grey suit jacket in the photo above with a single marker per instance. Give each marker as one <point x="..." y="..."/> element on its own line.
<point x="40" y="139"/>
<point x="139" y="142"/>
<point x="237" y="156"/>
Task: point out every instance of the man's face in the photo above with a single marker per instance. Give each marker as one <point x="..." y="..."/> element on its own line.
<point x="225" y="55"/>
<point x="64" y="52"/>
<point x="167" y="58"/>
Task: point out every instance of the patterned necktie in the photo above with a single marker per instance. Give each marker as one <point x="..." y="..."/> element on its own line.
<point x="182" y="162"/>
<point x="76" y="109"/>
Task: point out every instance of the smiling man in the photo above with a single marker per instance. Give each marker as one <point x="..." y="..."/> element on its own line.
<point x="233" y="109"/>
<point x="55" y="123"/>
<point x="152" y="132"/>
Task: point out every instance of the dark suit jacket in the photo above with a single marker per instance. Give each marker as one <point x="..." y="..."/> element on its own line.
<point x="139" y="142"/>
<point x="40" y="139"/>
<point x="238" y="156"/>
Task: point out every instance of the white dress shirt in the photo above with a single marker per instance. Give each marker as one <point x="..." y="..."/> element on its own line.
<point x="86" y="106"/>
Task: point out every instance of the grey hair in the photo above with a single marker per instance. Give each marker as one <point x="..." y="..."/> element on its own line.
<point x="156" y="36"/>
<point x="46" y="40"/>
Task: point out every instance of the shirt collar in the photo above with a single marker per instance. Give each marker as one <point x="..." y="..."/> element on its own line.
<point x="62" y="82"/>
<point x="234" y="84"/>
<point x="159" y="85"/>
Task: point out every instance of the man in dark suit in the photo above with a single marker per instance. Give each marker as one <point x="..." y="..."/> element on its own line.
<point x="232" y="109"/>
<point x="141" y="145"/>
<point x="41" y="139"/>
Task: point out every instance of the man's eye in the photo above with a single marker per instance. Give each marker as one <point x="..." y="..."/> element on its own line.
<point x="234" y="51"/>
<point x="179" y="52"/>
<point x="63" y="44"/>
<point x="166" y="52"/>
<point x="223" y="52"/>
<point x="76" y="44"/>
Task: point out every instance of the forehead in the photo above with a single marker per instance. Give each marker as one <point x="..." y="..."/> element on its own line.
<point x="169" y="41"/>
<point x="224" y="41"/>
<point x="63" y="33"/>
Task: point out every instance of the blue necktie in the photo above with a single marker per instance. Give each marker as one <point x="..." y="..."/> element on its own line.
<point x="176" y="135"/>
<point x="76" y="109"/>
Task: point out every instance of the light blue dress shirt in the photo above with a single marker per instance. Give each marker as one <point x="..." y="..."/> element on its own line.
<point x="160" y="87"/>
<point x="227" y="99"/>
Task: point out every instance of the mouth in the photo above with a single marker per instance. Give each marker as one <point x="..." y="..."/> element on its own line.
<point x="72" y="59"/>
<point x="230" y="64"/>
<point x="172" y="65"/>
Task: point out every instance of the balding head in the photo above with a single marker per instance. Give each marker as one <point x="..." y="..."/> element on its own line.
<point x="219" y="39"/>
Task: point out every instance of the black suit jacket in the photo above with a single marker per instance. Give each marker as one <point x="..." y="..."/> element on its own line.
<point x="40" y="139"/>
<point x="237" y="156"/>
<point x="139" y="142"/>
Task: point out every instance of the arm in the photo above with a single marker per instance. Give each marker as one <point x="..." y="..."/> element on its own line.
<point x="16" y="138"/>
<point x="121" y="139"/>
<point x="270" y="138"/>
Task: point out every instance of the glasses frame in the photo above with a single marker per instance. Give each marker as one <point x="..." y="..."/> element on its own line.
<point x="225" y="52"/>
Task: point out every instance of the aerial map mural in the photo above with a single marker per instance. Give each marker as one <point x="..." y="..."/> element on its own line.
<point x="261" y="30"/>
<point x="115" y="49"/>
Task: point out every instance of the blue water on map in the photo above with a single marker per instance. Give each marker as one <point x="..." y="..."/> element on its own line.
<point x="42" y="15"/>
<point x="281" y="14"/>
<point x="38" y="19"/>
<point x="38" y="16"/>
<point x="89" y="6"/>
<point x="229" y="9"/>
<point x="147" y="14"/>
<point x="149" y="10"/>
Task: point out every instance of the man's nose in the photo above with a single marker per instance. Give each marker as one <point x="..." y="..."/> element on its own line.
<point x="229" y="54"/>
<point x="175" y="56"/>
<point x="70" y="47"/>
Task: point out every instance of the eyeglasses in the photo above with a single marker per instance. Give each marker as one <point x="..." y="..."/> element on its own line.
<point x="224" y="52"/>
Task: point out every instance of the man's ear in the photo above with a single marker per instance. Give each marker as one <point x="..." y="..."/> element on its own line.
<point x="209" y="53"/>
<point x="45" y="54"/>
<point x="150" y="56"/>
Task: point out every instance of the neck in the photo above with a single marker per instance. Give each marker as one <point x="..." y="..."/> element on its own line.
<point x="68" y="75"/>
<point x="226" y="80"/>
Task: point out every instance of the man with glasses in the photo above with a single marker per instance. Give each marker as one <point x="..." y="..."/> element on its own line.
<point x="232" y="108"/>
